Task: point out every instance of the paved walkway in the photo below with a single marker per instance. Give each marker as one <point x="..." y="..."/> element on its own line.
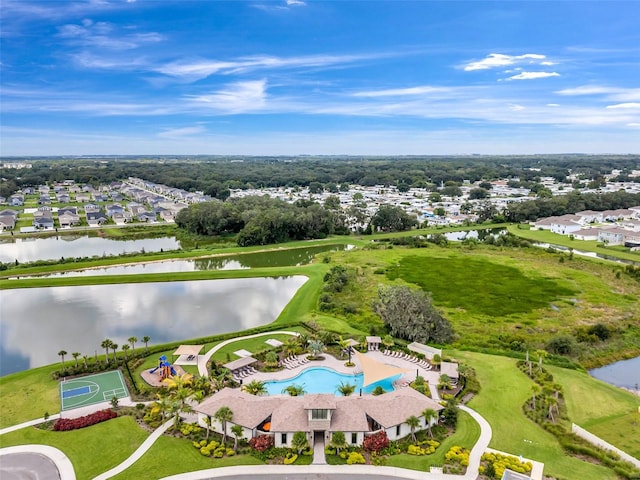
<point x="318" y="450"/>
<point x="204" y="359"/>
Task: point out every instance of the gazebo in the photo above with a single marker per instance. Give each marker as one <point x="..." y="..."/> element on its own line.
<point x="187" y="354"/>
<point x="373" y="343"/>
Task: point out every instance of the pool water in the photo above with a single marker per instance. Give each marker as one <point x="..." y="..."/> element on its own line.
<point x="325" y="380"/>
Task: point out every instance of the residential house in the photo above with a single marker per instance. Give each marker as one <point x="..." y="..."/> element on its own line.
<point x="91" y="207"/>
<point x="148" y="217"/>
<point x="8" y="219"/>
<point x="63" y="197"/>
<point x="586" y="234"/>
<point x="114" y="208"/>
<point x="44" y="199"/>
<point x="612" y="236"/>
<point x="83" y="197"/>
<point x="68" y="216"/>
<point x="589" y="216"/>
<point x="96" y="218"/>
<point x="16" y="200"/>
<point x="99" y="197"/>
<point x="44" y="221"/>
<point x="318" y="414"/>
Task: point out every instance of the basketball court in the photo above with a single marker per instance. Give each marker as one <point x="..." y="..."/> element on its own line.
<point x="85" y="391"/>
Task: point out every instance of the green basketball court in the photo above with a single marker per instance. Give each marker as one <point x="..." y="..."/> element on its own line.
<point x="85" y="391"/>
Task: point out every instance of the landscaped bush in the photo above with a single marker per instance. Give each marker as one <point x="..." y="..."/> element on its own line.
<point x="355" y="458"/>
<point x="66" y="424"/>
<point x="261" y="443"/>
<point x="456" y="460"/>
<point x="376" y="441"/>
<point x="501" y="462"/>
<point x="423" y="448"/>
<point x="290" y="458"/>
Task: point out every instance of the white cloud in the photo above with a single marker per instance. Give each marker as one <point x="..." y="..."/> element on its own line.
<point x="494" y="60"/>
<point x="103" y="35"/>
<point x="237" y="97"/>
<point x="423" y="90"/>
<point x="624" y="105"/>
<point x="295" y="3"/>
<point x="198" y="69"/>
<point x="553" y="104"/>
<point x="182" y="132"/>
<point x="533" y="75"/>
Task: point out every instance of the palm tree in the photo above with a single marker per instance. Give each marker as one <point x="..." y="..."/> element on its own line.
<point x="125" y="348"/>
<point x="338" y="441"/>
<point x="178" y="381"/>
<point x="146" y="339"/>
<point x="343" y="343"/>
<point x="294" y="390"/>
<point x="316" y="347"/>
<point x="535" y="390"/>
<point x="106" y="344"/>
<point x="271" y="359"/>
<point x="160" y="406"/>
<point x="255" y="387"/>
<point x="62" y="353"/>
<point x="429" y="414"/>
<point x="75" y="356"/>
<point x="542" y="354"/>
<point x="413" y="423"/>
<point x="207" y="422"/>
<point x="224" y="415"/>
<point x="552" y="402"/>
<point x="132" y="341"/>
<point x="237" y="431"/>
<point x="221" y="380"/>
<point x="436" y="360"/>
<point x="346" y="389"/>
<point x="114" y="349"/>
<point x="292" y="346"/>
<point x="388" y="341"/>
<point x="85" y="359"/>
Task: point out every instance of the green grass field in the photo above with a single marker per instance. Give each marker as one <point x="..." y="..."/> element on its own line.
<point x="91" y="450"/>
<point x="504" y="390"/>
<point x="611" y="413"/>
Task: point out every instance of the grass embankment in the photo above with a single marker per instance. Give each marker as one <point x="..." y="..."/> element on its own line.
<point x="610" y="412"/>
<point x="91" y="450"/>
<point x="501" y="298"/>
<point x="466" y="435"/>
<point x="545" y="236"/>
<point x="28" y="395"/>
<point x="504" y="391"/>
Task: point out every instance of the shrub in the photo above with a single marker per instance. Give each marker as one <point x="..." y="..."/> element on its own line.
<point x="354" y="458"/>
<point x="290" y="458"/>
<point x="66" y="424"/>
<point x="261" y="442"/>
<point x="376" y="441"/>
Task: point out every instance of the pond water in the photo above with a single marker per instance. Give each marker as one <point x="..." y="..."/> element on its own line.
<point x="272" y="258"/>
<point x="625" y="373"/>
<point x="480" y="234"/>
<point x="74" y="246"/>
<point x="37" y="323"/>
<point x="325" y="380"/>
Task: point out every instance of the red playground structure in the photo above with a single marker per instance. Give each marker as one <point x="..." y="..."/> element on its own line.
<point x="164" y="368"/>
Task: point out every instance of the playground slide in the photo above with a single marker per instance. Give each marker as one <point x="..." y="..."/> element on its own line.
<point x="153" y="369"/>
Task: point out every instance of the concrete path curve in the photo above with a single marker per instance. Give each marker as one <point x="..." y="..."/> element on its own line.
<point x="30" y="423"/>
<point x="204" y="359"/>
<point x="140" y="451"/>
<point x="29" y="465"/>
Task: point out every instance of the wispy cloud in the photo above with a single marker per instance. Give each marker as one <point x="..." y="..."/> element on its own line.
<point x="238" y="97"/>
<point x="617" y="94"/>
<point x="533" y="75"/>
<point x="396" y="92"/>
<point x="625" y="105"/>
<point x="279" y="6"/>
<point x="498" y="60"/>
<point x="182" y="132"/>
<point x="198" y="69"/>
<point x="105" y="35"/>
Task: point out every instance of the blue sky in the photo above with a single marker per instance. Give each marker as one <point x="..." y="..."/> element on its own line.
<point x="289" y="77"/>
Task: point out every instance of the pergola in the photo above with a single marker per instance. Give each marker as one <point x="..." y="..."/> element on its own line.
<point x="187" y="354"/>
<point x="450" y="369"/>
<point x="375" y="371"/>
<point x="425" y="350"/>
<point x="373" y="343"/>
<point x="240" y="363"/>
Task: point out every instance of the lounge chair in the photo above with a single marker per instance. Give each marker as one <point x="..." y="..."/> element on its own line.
<point x="386" y="352"/>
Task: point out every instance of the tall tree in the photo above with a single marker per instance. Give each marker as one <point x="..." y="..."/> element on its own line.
<point x="237" y="431"/>
<point x="338" y="441"/>
<point x="429" y="414"/>
<point x="106" y="344"/>
<point x="224" y="415"/>
<point x="146" y="339"/>
<point x="413" y="422"/>
<point x="299" y="442"/>
<point x="62" y="353"/>
<point x="75" y="356"/>
<point x="132" y="341"/>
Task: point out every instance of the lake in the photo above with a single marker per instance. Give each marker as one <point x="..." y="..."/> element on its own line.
<point x="72" y="246"/>
<point x="625" y="373"/>
<point x="37" y="323"/>
<point x="271" y="258"/>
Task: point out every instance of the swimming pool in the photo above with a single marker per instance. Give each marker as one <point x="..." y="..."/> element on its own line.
<point x="325" y="380"/>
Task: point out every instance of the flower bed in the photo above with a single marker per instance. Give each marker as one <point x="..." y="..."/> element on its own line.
<point x="66" y="424"/>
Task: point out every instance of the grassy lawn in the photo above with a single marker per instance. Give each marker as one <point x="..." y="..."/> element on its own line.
<point x="611" y="413"/>
<point x="253" y="345"/>
<point x="92" y="450"/>
<point x="28" y="395"/>
<point x="170" y="456"/>
<point x="544" y="236"/>
<point x="504" y="390"/>
<point x="466" y="435"/>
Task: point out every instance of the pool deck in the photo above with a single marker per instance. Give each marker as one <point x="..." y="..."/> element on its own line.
<point x="338" y="365"/>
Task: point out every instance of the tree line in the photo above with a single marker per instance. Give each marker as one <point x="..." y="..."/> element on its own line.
<point x="262" y="220"/>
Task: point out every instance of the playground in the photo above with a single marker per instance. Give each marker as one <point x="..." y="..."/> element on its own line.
<point x="163" y="370"/>
<point x="92" y="389"/>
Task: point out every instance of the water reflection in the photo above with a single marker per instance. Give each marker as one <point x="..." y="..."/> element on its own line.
<point x="74" y="246"/>
<point x="37" y="323"/>
<point x="272" y="258"/>
<point x="625" y="373"/>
